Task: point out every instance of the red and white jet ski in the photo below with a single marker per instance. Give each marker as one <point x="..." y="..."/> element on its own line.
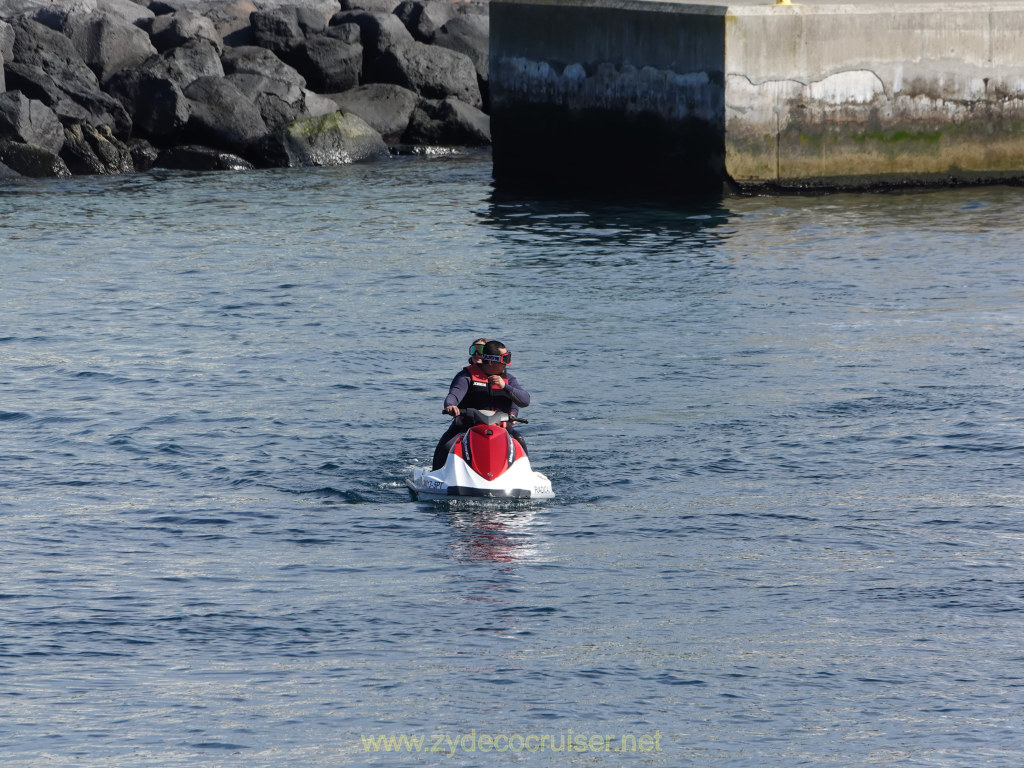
<point x="484" y="462"/>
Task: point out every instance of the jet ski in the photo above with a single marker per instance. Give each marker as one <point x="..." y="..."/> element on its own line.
<point x="484" y="462"/>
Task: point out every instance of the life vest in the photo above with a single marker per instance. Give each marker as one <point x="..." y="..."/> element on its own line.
<point x="481" y="395"/>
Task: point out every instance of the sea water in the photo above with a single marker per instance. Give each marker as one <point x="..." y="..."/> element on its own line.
<point x="785" y="434"/>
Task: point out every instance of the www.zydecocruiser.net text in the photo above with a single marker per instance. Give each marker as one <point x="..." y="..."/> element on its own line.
<point x="565" y="741"/>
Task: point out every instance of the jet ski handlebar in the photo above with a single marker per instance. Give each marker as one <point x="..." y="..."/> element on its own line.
<point x="480" y="416"/>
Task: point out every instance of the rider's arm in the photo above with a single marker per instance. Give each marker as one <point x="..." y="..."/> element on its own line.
<point x="520" y="395"/>
<point x="458" y="389"/>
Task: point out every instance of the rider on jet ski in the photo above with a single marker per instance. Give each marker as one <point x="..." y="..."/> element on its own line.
<point x="484" y="384"/>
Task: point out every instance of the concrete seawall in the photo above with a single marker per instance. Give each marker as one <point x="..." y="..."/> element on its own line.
<point x="683" y="97"/>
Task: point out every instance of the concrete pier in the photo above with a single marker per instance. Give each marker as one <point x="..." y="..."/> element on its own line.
<point x="677" y="96"/>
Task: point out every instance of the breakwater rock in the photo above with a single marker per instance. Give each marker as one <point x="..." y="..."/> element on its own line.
<point x="115" y="86"/>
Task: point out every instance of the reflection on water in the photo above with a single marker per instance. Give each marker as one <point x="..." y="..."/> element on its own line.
<point x="489" y="531"/>
<point x="569" y="229"/>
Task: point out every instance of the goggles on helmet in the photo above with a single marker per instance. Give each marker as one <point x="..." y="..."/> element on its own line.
<point x="476" y="349"/>
<point x="506" y="358"/>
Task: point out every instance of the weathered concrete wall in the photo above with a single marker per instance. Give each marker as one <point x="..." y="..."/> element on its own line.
<point x="853" y="95"/>
<point x="682" y="96"/>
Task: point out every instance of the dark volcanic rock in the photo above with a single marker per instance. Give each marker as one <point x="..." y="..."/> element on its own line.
<point x="56" y="13"/>
<point x="433" y="72"/>
<point x="39" y="46"/>
<point x="281" y="102"/>
<point x="222" y="117"/>
<point x="106" y="43"/>
<point x="37" y="84"/>
<point x="30" y="122"/>
<point x="278" y="101"/>
<point x="313" y="21"/>
<point x="347" y="33"/>
<point x="277" y="29"/>
<point x="167" y="78"/>
<point x="328" y="64"/>
<point x="163" y="8"/>
<point x="468" y="34"/>
<point x="374" y="6"/>
<point x="191" y="157"/>
<point x="385" y="106"/>
<point x="176" y="29"/>
<point x="48" y="68"/>
<point x="102" y="109"/>
<point x="6" y="42"/>
<point x="253" y="60"/>
<point x="449" y="122"/>
<point x="419" y="20"/>
<point x="33" y="161"/>
<point x="229" y="17"/>
<point x="89" y="150"/>
<point x="143" y="154"/>
<point x="379" y="32"/>
<point x="335" y="139"/>
<point x="187" y="63"/>
<point x="69" y="99"/>
<point x="276" y="88"/>
<point x="232" y="20"/>
<point x="157" y="105"/>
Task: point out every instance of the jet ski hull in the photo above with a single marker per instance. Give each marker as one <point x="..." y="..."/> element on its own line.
<point x="456" y="480"/>
<point x="484" y="463"/>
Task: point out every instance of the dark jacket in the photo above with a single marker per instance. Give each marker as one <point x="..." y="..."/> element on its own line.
<point x="469" y="389"/>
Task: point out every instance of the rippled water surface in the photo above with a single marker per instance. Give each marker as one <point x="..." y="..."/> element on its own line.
<point x="785" y="436"/>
